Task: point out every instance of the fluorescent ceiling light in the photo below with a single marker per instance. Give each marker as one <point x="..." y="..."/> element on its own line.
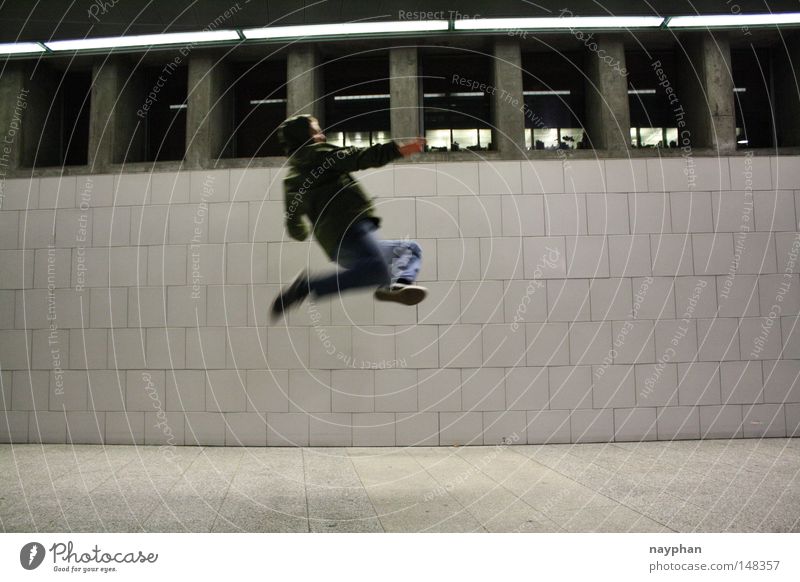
<point x="360" y="97"/>
<point x="15" y="48"/>
<point x="179" y="106"/>
<point x="142" y="40"/>
<point x="551" y="92"/>
<point x="714" y="20"/>
<point x="653" y="91"/>
<point x="345" y="29"/>
<point x="266" y="101"/>
<point x="455" y="94"/>
<point x="572" y="22"/>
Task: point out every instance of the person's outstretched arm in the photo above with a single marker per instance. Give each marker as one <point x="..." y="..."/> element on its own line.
<point x="353" y="159"/>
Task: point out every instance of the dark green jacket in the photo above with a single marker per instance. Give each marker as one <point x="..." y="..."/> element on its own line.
<point x="319" y="186"/>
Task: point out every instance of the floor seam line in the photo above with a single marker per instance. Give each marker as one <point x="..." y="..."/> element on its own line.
<point x="596" y="492"/>
<point x="305" y="487"/>
<point x="448" y="493"/>
<point x="227" y="491"/>
<point x="361" y="481"/>
<point x="171" y="487"/>
<point x="503" y="485"/>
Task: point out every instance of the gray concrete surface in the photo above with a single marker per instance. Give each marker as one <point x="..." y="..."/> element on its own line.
<point x="405" y="88"/>
<point x="608" y="115"/>
<point x="709" y="486"/>
<point x="508" y="100"/>
<point x="706" y="80"/>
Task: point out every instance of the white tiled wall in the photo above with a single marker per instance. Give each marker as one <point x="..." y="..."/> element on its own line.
<point x="570" y="301"/>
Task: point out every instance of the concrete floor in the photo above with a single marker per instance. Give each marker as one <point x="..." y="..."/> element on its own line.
<point x="738" y="485"/>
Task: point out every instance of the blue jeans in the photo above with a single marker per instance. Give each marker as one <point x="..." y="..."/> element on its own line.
<point x="369" y="261"/>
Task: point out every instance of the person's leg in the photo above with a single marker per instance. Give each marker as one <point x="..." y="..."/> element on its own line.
<point x="362" y="258"/>
<point x="405" y="259"/>
<point x="364" y="266"/>
<point x="391" y="266"/>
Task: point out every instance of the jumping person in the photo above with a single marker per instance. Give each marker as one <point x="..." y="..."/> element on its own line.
<point x="319" y="186"/>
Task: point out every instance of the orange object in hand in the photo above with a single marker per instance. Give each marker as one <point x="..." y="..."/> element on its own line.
<point x="414" y="146"/>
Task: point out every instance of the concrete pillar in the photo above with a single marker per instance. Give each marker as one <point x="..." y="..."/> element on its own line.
<point x="707" y="90"/>
<point x="405" y="88"/>
<point x="209" y="112"/>
<point x="608" y="117"/>
<point x="508" y="135"/>
<point x="14" y="102"/>
<point x="116" y="130"/>
<point x="304" y="83"/>
<point x="787" y="93"/>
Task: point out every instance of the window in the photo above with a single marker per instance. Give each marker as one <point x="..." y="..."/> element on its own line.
<point x="458" y="139"/>
<point x="552" y="86"/>
<point x="61" y="136"/>
<point x="165" y="122"/>
<point x="359" y="139"/>
<point x="752" y="79"/>
<point x="259" y="107"/>
<point x="456" y="116"/>
<point x="661" y="137"/>
<point x="653" y="118"/>
<point x="357" y="111"/>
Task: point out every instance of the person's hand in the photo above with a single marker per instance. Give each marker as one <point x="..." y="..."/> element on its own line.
<point x="411" y="147"/>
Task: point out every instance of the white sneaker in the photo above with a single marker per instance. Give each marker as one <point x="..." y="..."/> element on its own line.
<point x="401" y="293"/>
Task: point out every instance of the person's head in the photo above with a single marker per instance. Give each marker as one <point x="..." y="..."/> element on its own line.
<point x="298" y="131"/>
